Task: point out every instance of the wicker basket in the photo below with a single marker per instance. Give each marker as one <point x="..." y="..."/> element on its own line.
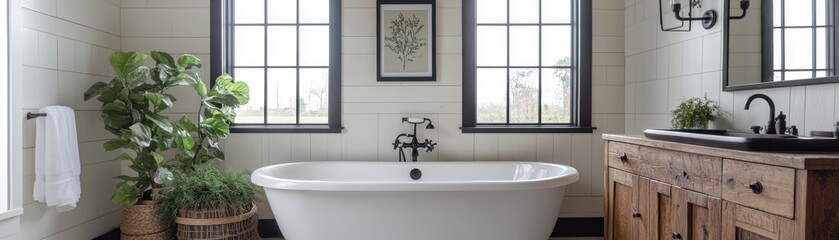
<point x="141" y="222"/>
<point x="217" y="223"/>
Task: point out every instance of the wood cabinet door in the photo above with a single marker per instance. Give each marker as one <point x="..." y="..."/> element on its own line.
<point x="743" y="223"/>
<point x="695" y="215"/>
<point x="622" y="220"/>
<point x="659" y="218"/>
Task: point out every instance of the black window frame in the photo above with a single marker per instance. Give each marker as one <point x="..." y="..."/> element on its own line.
<point x="581" y="72"/>
<point x="221" y="59"/>
<point x="768" y="67"/>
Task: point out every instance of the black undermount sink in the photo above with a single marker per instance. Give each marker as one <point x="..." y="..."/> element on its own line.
<point x="745" y="141"/>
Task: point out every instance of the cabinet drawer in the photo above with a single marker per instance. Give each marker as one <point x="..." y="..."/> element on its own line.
<point x="686" y="170"/>
<point x="623" y="156"/>
<point x="763" y="187"/>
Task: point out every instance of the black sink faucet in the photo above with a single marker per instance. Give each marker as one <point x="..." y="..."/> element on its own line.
<point x="770" y="128"/>
<point x="414" y="144"/>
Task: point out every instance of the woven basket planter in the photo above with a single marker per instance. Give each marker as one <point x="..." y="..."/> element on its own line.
<point x="217" y="223"/>
<point x="141" y="222"/>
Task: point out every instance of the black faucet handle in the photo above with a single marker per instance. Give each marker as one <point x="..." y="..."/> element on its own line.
<point x="756" y="129"/>
<point x="429" y="145"/>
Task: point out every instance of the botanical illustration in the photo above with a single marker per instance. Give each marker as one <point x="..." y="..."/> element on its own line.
<point x="405" y="38"/>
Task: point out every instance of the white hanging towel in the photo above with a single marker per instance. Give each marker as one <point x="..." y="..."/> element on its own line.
<point x="57" y="165"/>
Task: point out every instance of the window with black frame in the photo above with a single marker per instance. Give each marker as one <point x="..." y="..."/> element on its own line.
<point x="288" y="51"/>
<point x="802" y="39"/>
<point x="527" y="65"/>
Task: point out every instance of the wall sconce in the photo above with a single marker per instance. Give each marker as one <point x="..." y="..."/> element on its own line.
<point x="744" y="5"/>
<point x="709" y="19"/>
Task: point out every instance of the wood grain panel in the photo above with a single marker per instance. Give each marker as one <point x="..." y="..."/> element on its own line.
<point x="696" y="216"/>
<point x="622" y="203"/>
<point x="778" y="186"/>
<point x="686" y="170"/>
<point x="660" y="215"/>
<point x="743" y="223"/>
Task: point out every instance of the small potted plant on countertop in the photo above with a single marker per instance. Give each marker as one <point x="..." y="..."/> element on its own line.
<point x="695" y="113"/>
<point x="133" y="105"/>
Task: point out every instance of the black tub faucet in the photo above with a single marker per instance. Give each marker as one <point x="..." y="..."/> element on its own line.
<point x="413" y="144"/>
<point x="770" y="128"/>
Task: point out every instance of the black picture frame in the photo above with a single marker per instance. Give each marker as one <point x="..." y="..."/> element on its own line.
<point x="431" y="44"/>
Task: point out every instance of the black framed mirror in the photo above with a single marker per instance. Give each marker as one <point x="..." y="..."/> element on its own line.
<point x="780" y="43"/>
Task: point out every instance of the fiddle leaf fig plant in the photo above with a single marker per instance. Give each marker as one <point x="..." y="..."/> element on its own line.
<point x="695" y="113"/>
<point x="132" y="109"/>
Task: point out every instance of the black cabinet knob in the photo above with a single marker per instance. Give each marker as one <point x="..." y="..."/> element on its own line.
<point x="676" y="235"/>
<point x="623" y="158"/>
<point x="756" y="187"/>
<point x="636" y="215"/>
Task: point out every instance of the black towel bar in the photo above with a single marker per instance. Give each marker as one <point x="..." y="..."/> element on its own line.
<point x="31" y="115"/>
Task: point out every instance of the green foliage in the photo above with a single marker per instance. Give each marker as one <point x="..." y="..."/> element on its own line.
<point x="694" y="113"/>
<point x="404" y="39"/>
<point x="205" y="187"/>
<point x="132" y="106"/>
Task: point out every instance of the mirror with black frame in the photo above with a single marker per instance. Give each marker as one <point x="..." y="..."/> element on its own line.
<point x="780" y="43"/>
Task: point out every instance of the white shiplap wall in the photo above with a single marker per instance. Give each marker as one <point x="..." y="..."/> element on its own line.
<point x="66" y="45"/>
<point x="664" y="67"/>
<point x="372" y="110"/>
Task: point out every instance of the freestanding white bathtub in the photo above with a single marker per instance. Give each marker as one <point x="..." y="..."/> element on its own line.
<point x="381" y="201"/>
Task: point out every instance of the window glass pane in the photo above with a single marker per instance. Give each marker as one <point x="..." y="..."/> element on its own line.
<point x="794" y="75"/>
<point x="524" y="11"/>
<point x="776" y="12"/>
<point x="524" y="95"/>
<point x="556" y="95"/>
<point x="282" y="89"/>
<point x="556" y="46"/>
<point x="282" y="46"/>
<point x="821" y="48"/>
<point x="253" y="112"/>
<point x="282" y="11"/>
<point x="556" y="11"/>
<point x="249" y="49"/>
<point x="821" y="74"/>
<point x="798" y="13"/>
<point x="524" y="46"/>
<point x="492" y="95"/>
<point x="777" y="49"/>
<point x="492" y="46"/>
<point x="821" y="10"/>
<point x="777" y="76"/>
<point x="314" y="95"/>
<point x="798" y="48"/>
<point x="314" y="46"/>
<point x="314" y="11"/>
<point x="249" y="11"/>
<point x="492" y="11"/>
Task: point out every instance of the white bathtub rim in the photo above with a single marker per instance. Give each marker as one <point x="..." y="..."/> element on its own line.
<point x="260" y="178"/>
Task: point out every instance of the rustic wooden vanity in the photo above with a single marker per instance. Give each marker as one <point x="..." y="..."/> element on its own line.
<point x="665" y="190"/>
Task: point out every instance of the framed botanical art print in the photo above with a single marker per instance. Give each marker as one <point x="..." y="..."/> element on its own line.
<point x="406" y="40"/>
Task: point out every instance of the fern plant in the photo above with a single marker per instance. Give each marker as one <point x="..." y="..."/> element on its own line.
<point x="205" y="187"/>
<point x="695" y="113"/>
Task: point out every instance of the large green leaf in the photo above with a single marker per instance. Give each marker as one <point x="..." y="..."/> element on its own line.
<point x="126" y="62"/>
<point x="239" y="89"/>
<point x="214" y="151"/>
<point x="124" y="157"/>
<point x="116" y="116"/>
<point x="215" y="127"/>
<point x="188" y="61"/>
<point x="160" y="121"/>
<point x="115" y="144"/>
<point x="199" y="85"/>
<point x="157" y="157"/>
<point x="95" y="90"/>
<point x="125" y="195"/>
<point x="159" y="100"/>
<point x="140" y="134"/>
<point x="187" y="124"/>
<point x="137" y="77"/>
<point x="163" y="58"/>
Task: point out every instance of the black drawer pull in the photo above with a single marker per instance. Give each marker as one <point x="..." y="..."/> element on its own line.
<point x="636" y="215"/>
<point x="623" y="158"/>
<point x="756" y="187"/>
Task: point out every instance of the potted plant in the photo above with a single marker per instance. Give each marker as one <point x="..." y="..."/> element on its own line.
<point x="695" y="113"/>
<point x="208" y="204"/>
<point x="132" y="107"/>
